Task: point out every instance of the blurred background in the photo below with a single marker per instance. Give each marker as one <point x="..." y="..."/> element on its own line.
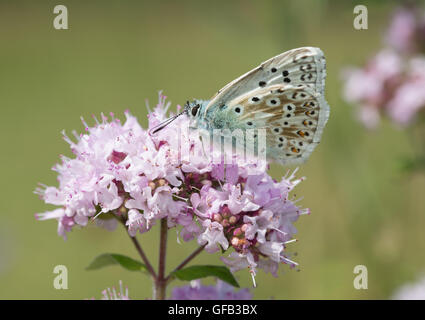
<point x="365" y="209"/>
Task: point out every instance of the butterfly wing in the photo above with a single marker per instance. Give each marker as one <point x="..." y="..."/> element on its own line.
<point x="285" y="96"/>
<point x="301" y="66"/>
<point x="292" y="117"/>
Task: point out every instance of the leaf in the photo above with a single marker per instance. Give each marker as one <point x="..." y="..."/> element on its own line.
<point x="197" y="272"/>
<point x="108" y="259"/>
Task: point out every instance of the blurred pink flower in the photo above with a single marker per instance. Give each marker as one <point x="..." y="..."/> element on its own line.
<point x="368" y="84"/>
<point x="220" y="291"/>
<point x="388" y="85"/>
<point x="409" y="97"/>
<point x="392" y="82"/>
<point x="411" y="291"/>
<point x="369" y="116"/>
<point x="401" y="32"/>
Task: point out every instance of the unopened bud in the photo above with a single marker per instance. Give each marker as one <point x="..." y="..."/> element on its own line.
<point x="225" y="223"/>
<point x="206" y="182"/>
<point x="162" y="182"/>
<point x="233" y="219"/>
<point x="217" y="217"/>
<point x="237" y="232"/>
<point x="235" y="241"/>
<point x="152" y="185"/>
<point x="226" y="211"/>
<point x="244" y="227"/>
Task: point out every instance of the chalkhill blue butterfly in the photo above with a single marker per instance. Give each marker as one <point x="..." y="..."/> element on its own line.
<point x="283" y="96"/>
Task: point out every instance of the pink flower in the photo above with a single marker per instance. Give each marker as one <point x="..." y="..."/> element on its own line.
<point x="239" y="261"/>
<point x="112" y="294"/>
<point x="411" y="291"/>
<point x="257" y="226"/>
<point x="136" y="222"/>
<point x="401" y="32"/>
<point x="391" y="83"/>
<point x="236" y="201"/>
<point x="410" y="96"/>
<point x="213" y="236"/>
<point x="367" y="85"/>
<point x="220" y="291"/>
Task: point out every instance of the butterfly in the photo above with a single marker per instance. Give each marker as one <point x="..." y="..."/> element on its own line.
<point x="283" y="96"/>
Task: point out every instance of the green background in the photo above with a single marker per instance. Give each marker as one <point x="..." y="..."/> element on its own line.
<point x="365" y="209"/>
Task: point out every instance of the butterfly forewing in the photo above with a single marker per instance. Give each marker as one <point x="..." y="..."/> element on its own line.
<point x="285" y="96"/>
<point x="298" y="66"/>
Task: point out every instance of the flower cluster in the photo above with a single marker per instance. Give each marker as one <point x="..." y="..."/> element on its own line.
<point x="122" y="173"/>
<point x="220" y="291"/>
<point x="392" y="81"/>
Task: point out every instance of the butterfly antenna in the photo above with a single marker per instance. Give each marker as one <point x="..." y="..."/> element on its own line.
<point x="165" y="123"/>
<point x="187" y="106"/>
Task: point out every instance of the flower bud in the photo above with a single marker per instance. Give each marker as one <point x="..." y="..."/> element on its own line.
<point x="225" y="223"/>
<point x="237" y="232"/>
<point x="233" y="219"/>
<point x="235" y="241"/>
<point x="226" y="211"/>
<point x="217" y="217"/>
<point x="152" y="185"/>
<point x="162" y="182"/>
<point x="244" y="227"/>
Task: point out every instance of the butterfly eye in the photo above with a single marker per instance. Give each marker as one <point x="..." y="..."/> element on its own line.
<point x="195" y="110"/>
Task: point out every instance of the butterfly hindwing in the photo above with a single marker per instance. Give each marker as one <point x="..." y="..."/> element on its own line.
<point x="290" y="116"/>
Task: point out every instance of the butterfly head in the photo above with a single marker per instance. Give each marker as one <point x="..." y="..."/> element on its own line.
<point x="192" y="109"/>
<point x="195" y="111"/>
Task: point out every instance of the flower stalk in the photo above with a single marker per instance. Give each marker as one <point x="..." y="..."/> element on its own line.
<point x="140" y="251"/>
<point x="161" y="283"/>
